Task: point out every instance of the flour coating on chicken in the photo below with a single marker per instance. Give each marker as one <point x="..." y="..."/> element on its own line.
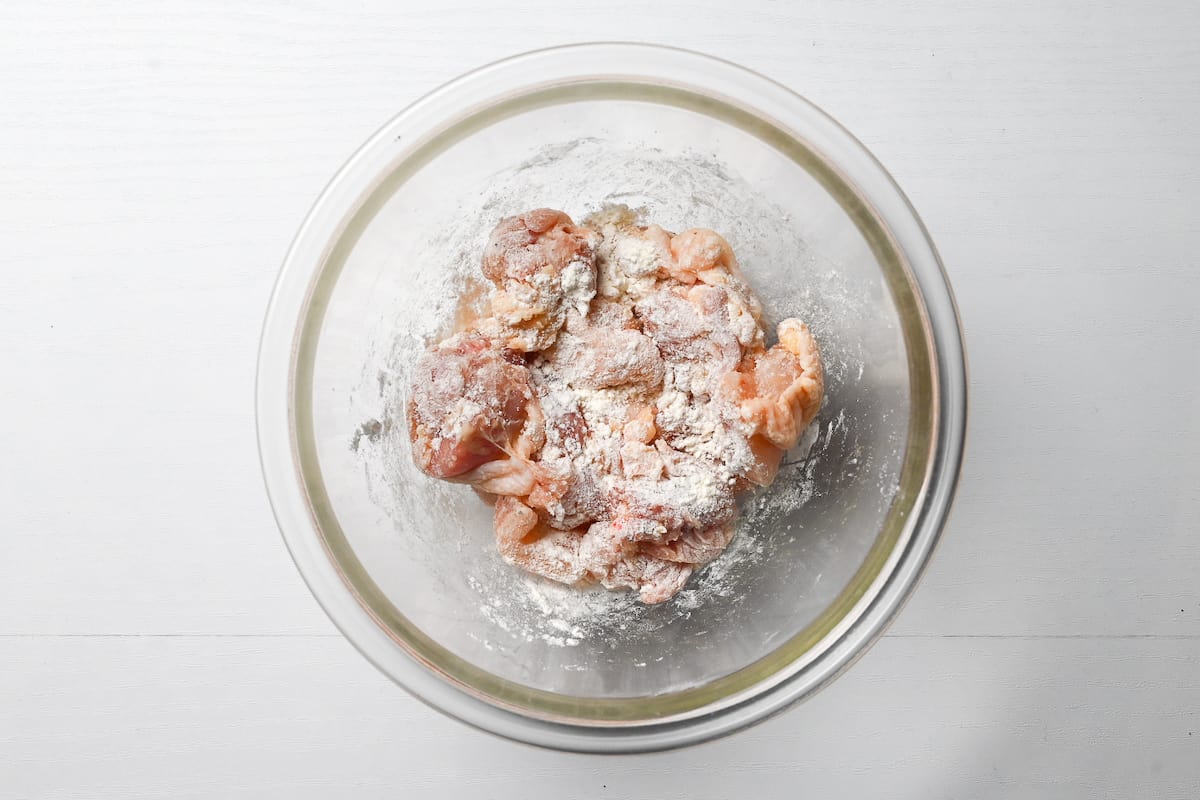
<point x="616" y="396"/>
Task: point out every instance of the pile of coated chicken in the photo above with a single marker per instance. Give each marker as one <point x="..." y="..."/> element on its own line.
<point x="615" y="396"/>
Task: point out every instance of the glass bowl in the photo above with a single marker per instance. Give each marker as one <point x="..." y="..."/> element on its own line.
<point x="406" y="565"/>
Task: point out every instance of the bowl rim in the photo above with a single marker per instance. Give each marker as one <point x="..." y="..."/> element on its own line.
<point x="300" y="529"/>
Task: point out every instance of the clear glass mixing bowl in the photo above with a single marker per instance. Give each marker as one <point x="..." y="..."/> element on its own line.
<point x="406" y="566"/>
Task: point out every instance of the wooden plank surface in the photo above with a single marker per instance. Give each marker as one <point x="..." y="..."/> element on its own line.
<point x="155" y="160"/>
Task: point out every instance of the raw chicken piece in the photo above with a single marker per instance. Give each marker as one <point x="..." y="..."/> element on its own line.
<point x="613" y="554"/>
<point x="677" y="501"/>
<point x="639" y="460"/>
<point x="525" y="542"/>
<point x="630" y="258"/>
<point x="569" y="502"/>
<point x="694" y="546"/>
<point x="766" y="460"/>
<point x="656" y="579"/>
<point x="691" y="325"/>
<point x="469" y="406"/>
<point x="603" y="313"/>
<point x="641" y="428"/>
<point x="703" y="255"/>
<point x="607" y="357"/>
<point x="698" y="250"/>
<point x="543" y="266"/>
<point x="676" y="326"/>
<point x="783" y="392"/>
<point x="618" y="358"/>
<point x="607" y="543"/>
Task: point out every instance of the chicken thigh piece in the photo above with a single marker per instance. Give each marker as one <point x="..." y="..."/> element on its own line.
<point x="785" y="386"/>
<point x="543" y="267"/>
<point x="526" y="542"/>
<point x="470" y="405"/>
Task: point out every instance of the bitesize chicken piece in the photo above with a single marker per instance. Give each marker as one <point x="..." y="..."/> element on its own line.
<point x="526" y="542"/>
<point x="694" y="546"/>
<point x="471" y="405"/>
<point x="781" y="392"/>
<point x="543" y="266"/>
<point x="656" y="580"/>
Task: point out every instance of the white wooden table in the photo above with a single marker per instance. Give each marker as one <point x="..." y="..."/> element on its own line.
<point x="155" y="639"/>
